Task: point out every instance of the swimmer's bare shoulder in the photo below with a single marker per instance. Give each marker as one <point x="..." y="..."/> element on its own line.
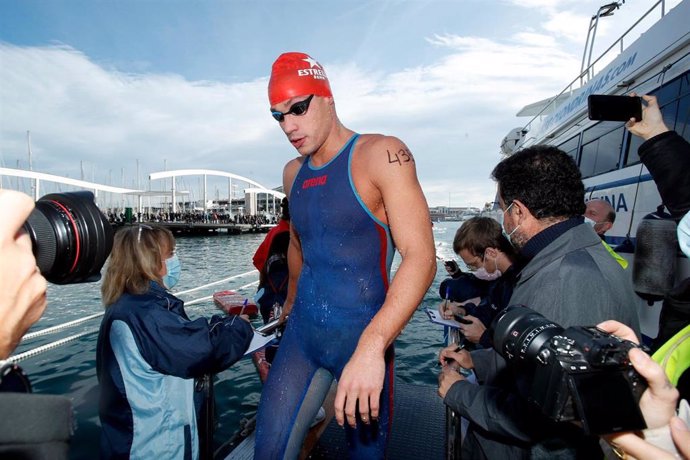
<point x="385" y="176"/>
<point x="290" y="172"/>
<point x="378" y="151"/>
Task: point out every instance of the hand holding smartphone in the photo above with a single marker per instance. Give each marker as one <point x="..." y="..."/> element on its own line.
<point x="614" y="108"/>
<point x="451" y="266"/>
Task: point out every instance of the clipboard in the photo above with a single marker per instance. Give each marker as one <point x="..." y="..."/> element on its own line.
<point x="258" y="342"/>
<point x="435" y="317"/>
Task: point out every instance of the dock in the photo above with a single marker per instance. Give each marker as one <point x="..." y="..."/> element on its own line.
<point x="419" y="430"/>
<point x="208" y="228"/>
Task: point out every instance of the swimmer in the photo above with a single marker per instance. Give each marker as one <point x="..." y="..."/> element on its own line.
<point x="351" y="195"/>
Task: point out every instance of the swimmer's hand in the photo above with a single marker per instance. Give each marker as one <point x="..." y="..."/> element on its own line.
<point x="360" y="387"/>
<point x="283" y="318"/>
<point x="285" y="312"/>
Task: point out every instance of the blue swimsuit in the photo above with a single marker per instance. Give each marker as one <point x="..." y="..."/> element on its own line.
<point x="347" y="254"/>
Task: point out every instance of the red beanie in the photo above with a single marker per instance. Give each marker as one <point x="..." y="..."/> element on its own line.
<point x="296" y="74"/>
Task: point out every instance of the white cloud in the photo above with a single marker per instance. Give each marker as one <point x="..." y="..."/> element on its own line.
<point x="572" y="26"/>
<point x="70" y="104"/>
<point x="452" y="112"/>
<point x="448" y="113"/>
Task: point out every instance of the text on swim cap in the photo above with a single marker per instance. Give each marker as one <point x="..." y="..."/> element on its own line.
<point x="318" y="74"/>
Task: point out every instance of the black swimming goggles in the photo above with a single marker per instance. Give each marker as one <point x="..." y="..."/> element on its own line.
<point x="298" y="108"/>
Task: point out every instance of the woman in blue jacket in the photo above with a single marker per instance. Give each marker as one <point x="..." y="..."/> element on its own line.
<point x="150" y="353"/>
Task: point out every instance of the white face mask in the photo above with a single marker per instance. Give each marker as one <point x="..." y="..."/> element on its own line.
<point x="482" y="274"/>
<point x="173" y="269"/>
<point x="590" y="222"/>
<point x="503" y="229"/>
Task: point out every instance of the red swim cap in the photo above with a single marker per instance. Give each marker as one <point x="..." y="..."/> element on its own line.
<point x="296" y="74"/>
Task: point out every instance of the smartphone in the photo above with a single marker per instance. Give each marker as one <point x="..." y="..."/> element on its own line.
<point x="614" y="108"/>
<point x="451" y="266"/>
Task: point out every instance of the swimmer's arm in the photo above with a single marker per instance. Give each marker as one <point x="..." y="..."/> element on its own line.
<point x="294" y="255"/>
<point x="407" y="212"/>
<point x="392" y="171"/>
<point x="294" y="259"/>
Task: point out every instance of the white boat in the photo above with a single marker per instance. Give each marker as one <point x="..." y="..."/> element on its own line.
<point x="656" y="63"/>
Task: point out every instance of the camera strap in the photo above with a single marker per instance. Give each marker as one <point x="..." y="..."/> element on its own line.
<point x="13" y="378"/>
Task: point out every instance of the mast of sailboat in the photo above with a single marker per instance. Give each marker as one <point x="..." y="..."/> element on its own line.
<point x="34" y="183"/>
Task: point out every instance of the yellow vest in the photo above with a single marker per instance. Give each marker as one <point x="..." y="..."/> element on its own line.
<point x="614" y="254"/>
<point x="674" y="355"/>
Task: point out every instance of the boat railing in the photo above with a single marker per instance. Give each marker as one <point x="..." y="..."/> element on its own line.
<point x="70" y="324"/>
<point x="586" y="74"/>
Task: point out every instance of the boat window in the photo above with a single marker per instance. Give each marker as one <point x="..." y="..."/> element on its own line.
<point x="633" y="147"/>
<point x="601" y="148"/>
<point x="683" y="119"/>
<point x="668" y="92"/>
<point x="676" y="113"/>
<point x="570" y="146"/>
<point x="669" y="112"/>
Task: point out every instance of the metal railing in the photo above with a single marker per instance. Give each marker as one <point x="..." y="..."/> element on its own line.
<point x="588" y="73"/>
<point x="61" y="327"/>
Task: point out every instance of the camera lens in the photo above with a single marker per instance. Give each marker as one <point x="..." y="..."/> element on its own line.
<point x="71" y="238"/>
<point x="519" y="333"/>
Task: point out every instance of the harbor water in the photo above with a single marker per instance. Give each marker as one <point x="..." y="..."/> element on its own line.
<point x="70" y="369"/>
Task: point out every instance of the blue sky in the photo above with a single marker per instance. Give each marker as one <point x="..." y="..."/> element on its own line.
<point x="102" y="85"/>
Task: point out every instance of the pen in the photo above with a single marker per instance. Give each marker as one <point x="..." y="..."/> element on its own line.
<point x="445" y="300"/>
<point x="448" y="360"/>
<point x="244" y="305"/>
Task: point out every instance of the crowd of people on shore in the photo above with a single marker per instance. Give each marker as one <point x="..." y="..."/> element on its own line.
<point x="192" y="217"/>
<point x="354" y="199"/>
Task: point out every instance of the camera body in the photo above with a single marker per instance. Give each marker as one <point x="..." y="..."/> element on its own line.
<point x="579" y="373"/>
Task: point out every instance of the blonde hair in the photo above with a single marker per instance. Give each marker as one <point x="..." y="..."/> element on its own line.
<point x="135" y="261"/>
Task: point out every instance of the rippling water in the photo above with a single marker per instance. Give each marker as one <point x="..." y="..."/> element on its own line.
<point x="71" y="369"/>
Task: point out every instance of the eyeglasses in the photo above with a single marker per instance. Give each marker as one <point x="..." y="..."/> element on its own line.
<point x="298" y="108"/>
<point x="141" y="227"/>
<point x="476" y="263"/>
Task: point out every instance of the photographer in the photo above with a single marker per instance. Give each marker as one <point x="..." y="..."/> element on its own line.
<point x="22" y="288"/>
<point x="666" y="435"/>
<point x="663" y="436"/>
<point x="33" y="426"/>
<point x="568" y="275"/>
<point x="667" y="156"/>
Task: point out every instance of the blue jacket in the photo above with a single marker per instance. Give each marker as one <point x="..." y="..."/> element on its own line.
<point x="149" y="353"/>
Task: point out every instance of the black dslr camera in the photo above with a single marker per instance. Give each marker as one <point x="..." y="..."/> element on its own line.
<point x="70" y="237"/>
<point x="580" y="373"/>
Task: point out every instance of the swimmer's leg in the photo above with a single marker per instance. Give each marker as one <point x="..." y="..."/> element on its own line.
<point x="290" y="399"/>
<point x="313" y="399"/>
